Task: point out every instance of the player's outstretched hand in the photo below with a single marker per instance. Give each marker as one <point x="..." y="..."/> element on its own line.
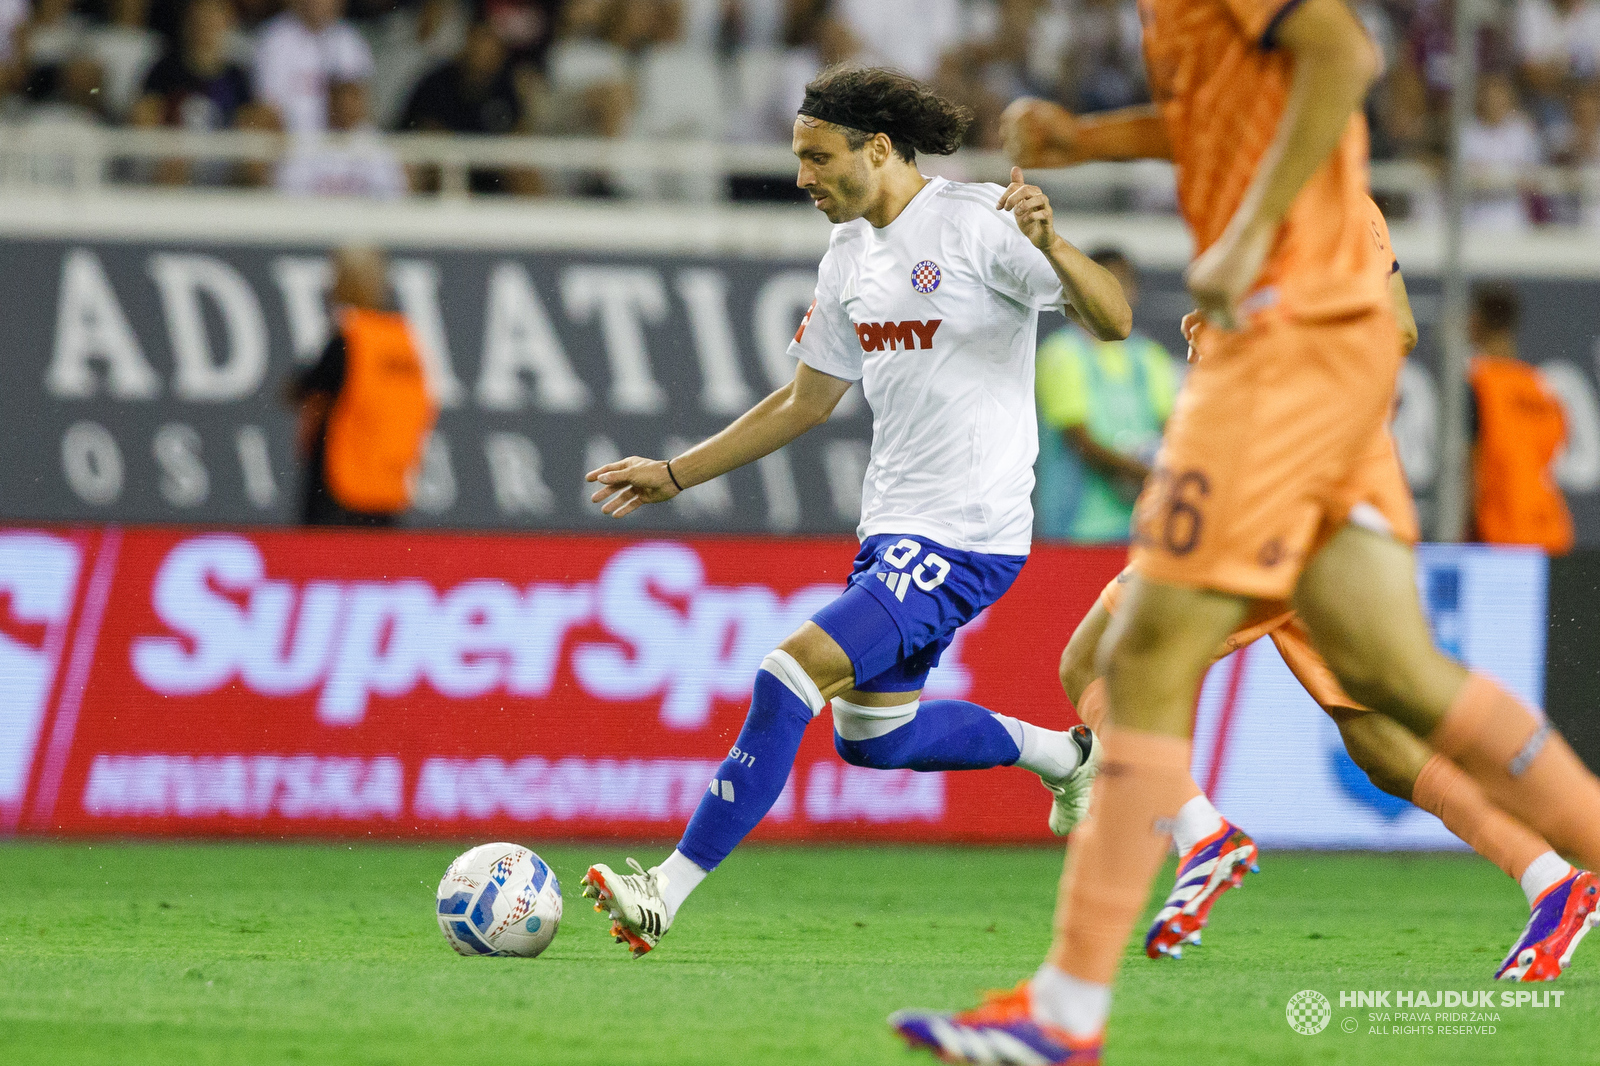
<point x="1038" y="133"/>
<point x="628" y="484"/>
<point x="1032" y="208"/>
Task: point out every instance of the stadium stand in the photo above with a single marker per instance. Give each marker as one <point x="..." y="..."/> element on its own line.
<point x="700" y="73"/>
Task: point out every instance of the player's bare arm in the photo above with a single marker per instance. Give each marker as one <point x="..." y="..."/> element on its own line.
<point x="1398" y="300"/>
<point x="1094" y="298"/>
<point x="628" y="484"/>
<point x="1334" y="64"/>
<point x="1038" y="133"/>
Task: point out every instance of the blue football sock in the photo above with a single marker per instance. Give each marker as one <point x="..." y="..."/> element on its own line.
<point x="937" y="735"/>
<point x="752" y="777"/>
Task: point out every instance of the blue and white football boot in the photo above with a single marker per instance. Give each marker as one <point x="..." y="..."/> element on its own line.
<point x="1214" y="865"/>
<point x="1001" y="1030"/>
<point x="1561" y="918"/>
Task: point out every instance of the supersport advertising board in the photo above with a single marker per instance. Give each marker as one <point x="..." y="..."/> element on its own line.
<point x="168" y="681"/>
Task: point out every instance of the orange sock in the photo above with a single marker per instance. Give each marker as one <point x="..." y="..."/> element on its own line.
<point x="1455" y="799"/>
<point x="1094" y="705"/>
<point x="1115" y="854"/>
<point x="1526" y="769"/>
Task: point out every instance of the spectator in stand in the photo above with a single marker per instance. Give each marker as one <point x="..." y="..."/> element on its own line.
<point x="13" y="60"/>
<point x="589" y="73"/>
<point x="1403" y="124"/>
<point x="68" y="94"/>
<point x="1557" y="44"/>
<point x="681" y="96"/>
<point x="992" y="67"/>
<point x="1105" y="60"/>
<point x="1430" y="49"/>
<point x="1578" y="139"/>
<point x="54" y="33"/>
<point x="1518" y="429"/>
<point x="358" y="164"/>
<point x="1102" y="406"/>
<point x="1575" y="142"/>
<point x="1499" y="146"/>
<point x="525" y="27"/>
<point x="410" y="42"/>
<point x="125" y="50"/>
<point x="473" y="93"/>
<point x="196" y="86"/>
<point x="909" y="35"/>
<point x="771" y="77"/>
<point x="299" y="53"/>
<point x="364" y="409"/>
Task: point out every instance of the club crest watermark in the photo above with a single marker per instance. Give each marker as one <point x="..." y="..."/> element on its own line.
<point x="1309" y="1012"/>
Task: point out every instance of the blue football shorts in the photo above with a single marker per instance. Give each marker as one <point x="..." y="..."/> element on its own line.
<point x="904" y="600"/>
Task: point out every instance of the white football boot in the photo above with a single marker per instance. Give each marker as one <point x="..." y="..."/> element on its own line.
<point x="639" y="916"/>
<point x="1071" y="803"/>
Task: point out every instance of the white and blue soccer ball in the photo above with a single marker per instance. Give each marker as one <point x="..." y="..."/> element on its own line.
<point x="499" y="899"/>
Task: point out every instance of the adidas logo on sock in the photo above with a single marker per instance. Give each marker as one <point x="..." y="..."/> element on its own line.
<point x="897" y="584"/>
<point x="722" y="789"/>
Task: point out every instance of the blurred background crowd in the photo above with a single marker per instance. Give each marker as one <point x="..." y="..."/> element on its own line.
<point x="719" y="70"/>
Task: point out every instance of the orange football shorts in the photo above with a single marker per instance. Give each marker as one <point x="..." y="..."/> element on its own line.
<point x="1385" y="506"/>
<point x="1271" y="448"/>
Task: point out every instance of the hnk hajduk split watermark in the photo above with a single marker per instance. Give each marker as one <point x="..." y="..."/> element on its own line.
<point x="1419" y="1012"/>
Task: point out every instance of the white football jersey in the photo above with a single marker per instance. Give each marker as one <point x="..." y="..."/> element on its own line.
<point x="937" y="314"/>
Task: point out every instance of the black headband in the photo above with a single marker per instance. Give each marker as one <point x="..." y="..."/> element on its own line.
<point x="817" y="107"/>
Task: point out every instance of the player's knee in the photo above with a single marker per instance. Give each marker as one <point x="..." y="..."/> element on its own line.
<point x="785" y="670"/>
<point x="875" y="753"/>
<point x="1371" y="759"/>
<point x="1145" y="654"/>
<point x="1076" y="670"/>
<point x="819" y="657"/>
<point x="870" y="736"/>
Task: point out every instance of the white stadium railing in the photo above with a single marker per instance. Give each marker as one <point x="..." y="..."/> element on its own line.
<point x="67" y="182"/>
<point x="84" y="158"/>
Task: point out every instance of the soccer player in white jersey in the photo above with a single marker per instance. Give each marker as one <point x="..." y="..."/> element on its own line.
<point x="929" y="295"/>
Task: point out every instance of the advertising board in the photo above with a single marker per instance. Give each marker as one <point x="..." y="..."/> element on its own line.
<point x="180" y="681"/>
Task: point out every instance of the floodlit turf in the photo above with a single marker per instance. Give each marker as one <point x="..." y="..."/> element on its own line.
<point x="237" y="954"/>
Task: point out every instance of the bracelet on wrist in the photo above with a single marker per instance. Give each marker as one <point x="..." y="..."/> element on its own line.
<point x="673" y="476"/>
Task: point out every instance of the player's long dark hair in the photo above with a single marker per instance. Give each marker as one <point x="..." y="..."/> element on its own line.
<point x="871" y="100"/>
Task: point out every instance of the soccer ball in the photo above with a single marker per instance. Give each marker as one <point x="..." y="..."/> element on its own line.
<point x="499" y="899"/>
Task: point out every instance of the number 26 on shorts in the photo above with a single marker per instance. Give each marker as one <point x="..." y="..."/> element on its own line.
<point x="1169" y="515"/>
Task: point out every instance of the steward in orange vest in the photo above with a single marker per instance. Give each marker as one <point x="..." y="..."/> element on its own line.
<point x="365" y="407"/>
<point x="1520" y="428"/>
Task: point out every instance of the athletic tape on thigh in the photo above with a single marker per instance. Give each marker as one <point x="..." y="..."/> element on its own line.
<point x="781" y="665"/>
<point x="855" y="722"/>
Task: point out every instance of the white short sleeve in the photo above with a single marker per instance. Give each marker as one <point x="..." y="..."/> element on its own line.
<point x="1013" y="267"/>
<point x="349" y="57"/>
<point x="827" y="340"/>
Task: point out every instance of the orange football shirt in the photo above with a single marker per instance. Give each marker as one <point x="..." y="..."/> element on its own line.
<point x="1222" y="88"/>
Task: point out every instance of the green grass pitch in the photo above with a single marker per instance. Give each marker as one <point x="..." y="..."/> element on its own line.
<point x="242" y="953"/>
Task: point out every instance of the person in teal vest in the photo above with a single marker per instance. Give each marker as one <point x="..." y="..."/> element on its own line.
<point x="1102" y="406"/>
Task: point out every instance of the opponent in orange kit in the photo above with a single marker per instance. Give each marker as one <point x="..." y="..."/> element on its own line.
<point x="1396" y="761"/>
<point x="1258" y="496"/>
